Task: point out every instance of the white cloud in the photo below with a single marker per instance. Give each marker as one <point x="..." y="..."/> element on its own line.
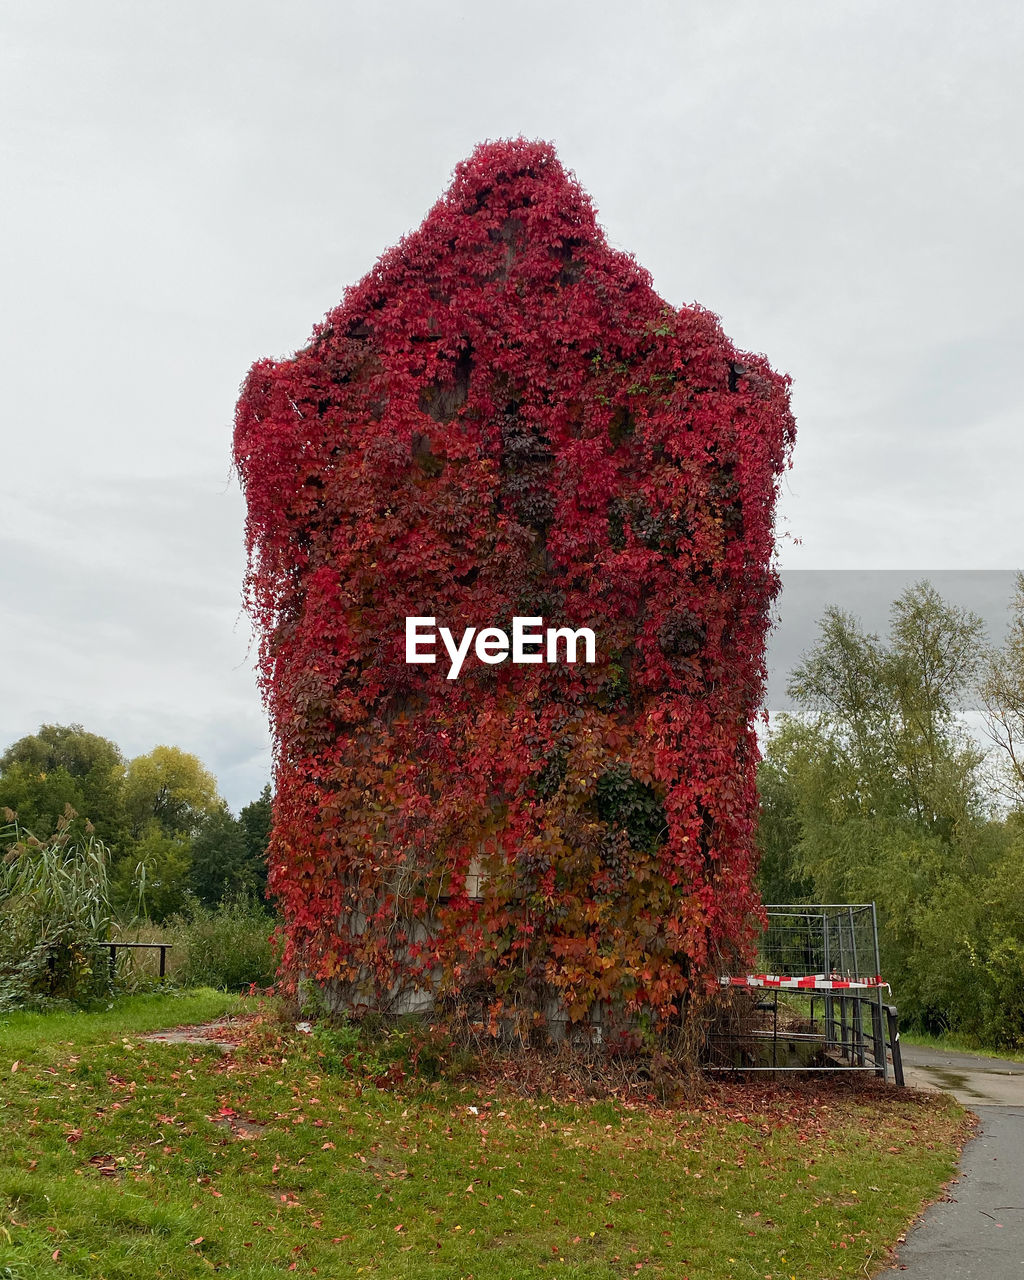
<point x="190" y="187"/>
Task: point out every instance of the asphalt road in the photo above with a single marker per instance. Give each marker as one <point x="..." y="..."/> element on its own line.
<point x="977" y="1231"/>
<point x="971" y="1079"/>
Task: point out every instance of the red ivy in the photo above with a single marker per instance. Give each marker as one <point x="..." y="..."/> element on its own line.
<point x="504" y="418"/>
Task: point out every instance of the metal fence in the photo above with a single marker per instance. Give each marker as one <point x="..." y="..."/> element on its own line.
<point x="814" y="1000"/>
<point x="837" y="940"/>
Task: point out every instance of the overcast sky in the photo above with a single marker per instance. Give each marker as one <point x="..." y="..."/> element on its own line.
<point x="187" y="187"/>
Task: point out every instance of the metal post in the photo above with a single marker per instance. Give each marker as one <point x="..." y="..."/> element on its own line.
<point x="842" y="957"/>
<point x="894" y="1043"/>
<point x="878" y="1039"/>
<point x="858" y="1032"/>
<point x="858" y="1021"/>
<point x="829" y="1018"/>
<point x="842" y="1026"/>
<point x="878" y="992"/>
<point x="163" y="962"/>
<point x="824" y="934"/>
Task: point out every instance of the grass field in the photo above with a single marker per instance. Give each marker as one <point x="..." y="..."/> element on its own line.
<point x="961" y="1044"/>
<point x="125" y="1158"/>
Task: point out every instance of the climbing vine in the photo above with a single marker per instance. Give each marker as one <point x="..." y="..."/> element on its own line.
<point x="504" y="419"/>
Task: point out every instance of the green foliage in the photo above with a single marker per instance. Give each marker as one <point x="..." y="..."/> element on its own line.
<point x="878" y="792"/>
<point x="256" y="819"/>
<point x="165" y="861"/>
<point x="1002" y="693"/>
<point x="631" y="806"/>
<point x="228" y="947"/>
<point x="229" y="855"/>
<point x="891" y="710"/>
<point x="60" y="765"/>
<point x="55" y="912"/>
<point x="218" y="859"/>
<point x="66" y="746"/>
<point x="983" y="943"/>
<point x="170" y="789"/>
<point x="146" y="812"/>
<point x="778" y="833"/>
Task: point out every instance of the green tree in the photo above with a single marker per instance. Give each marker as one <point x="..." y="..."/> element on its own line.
<point x="169" y="795"/>
<point x="41" y="798"/>
<point x="256" y="819"/>
<point x="171" y="789"/>
<point x="877" y="791"/>
<point x="218" y="859"/>
<point x="229" y="855"/>
<point x="1002" y="692"/>
<point x="154" y="875"/>
<point x="60" y="765"/>
<point x="894" y="709"/>
<point x="778" y="834"/>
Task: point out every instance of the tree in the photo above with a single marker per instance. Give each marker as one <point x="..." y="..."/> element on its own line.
<point x="779" y="877"/>
<point x="894" y="710"/>
<point x="147" y="812"/>
<point x="218" y="857"/>
<point x="879" y="788"/>
<point x="229" y="855"/>
<point x="504" y="420"/>
<point x="256" y="820"/>
<point x="155" y="875"/>
<point x="1002" y="692"/>
<point x="40" y="798"/>
<point x="60" y="765"/>
<point x="169" y="796"/>
<point x="171" y="789"/>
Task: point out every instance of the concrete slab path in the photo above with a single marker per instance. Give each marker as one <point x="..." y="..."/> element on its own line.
<point x="977" y="1231"/>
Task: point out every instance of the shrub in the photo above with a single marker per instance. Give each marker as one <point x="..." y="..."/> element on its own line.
<point x="55" y="914"/>
<point x="229" y="946"/>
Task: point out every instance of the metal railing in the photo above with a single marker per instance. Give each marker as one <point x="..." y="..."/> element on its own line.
<point x="826" y="953"/>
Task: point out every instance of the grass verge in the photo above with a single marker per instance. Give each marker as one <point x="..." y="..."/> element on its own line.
<point x="122" y="1158"/>
<point x="960" y="1044"/>
<point x="31" y="1035"/>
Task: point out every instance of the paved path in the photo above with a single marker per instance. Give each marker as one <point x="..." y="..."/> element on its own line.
<point x="969" y="1078"/>
<point x="977" y="1232"/>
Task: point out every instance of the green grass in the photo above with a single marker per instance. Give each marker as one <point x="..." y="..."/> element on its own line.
<point x="29" y="1034"/>
<point x="960" y="1044"/>
<point x="121" y="1158"/>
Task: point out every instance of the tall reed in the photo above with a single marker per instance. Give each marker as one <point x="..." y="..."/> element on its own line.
<point x="55" y="914"/>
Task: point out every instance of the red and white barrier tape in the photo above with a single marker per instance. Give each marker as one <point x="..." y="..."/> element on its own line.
<point x="813" y="982"/>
